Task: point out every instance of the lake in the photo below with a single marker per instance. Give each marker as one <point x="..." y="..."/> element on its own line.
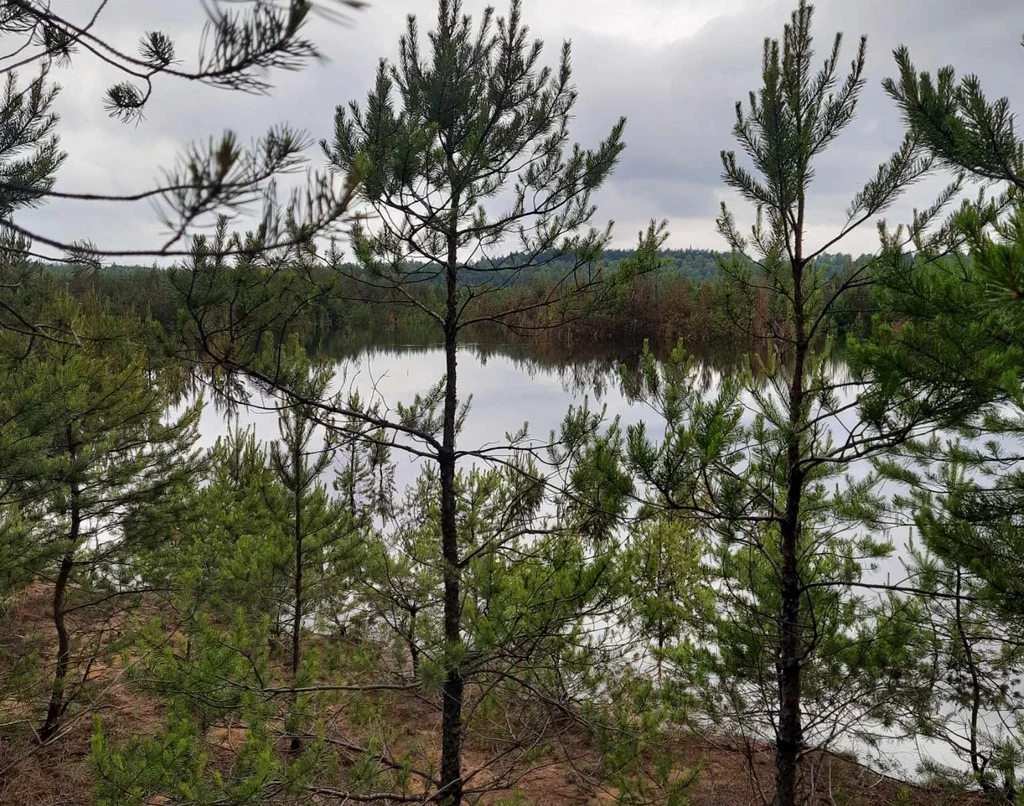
<point x="512" y="386"/>
<point x="506" y="389"/>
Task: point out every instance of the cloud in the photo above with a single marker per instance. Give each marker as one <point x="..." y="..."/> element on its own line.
<point x="675" y="70"/>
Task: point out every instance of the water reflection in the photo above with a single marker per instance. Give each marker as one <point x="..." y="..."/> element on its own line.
<point x="515" y="383"/>
<point x="593" y="370"/>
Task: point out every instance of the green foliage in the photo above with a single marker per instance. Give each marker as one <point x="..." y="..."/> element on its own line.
<point x="218" y="672"/>
<point x="956" y="350"/>
<point x="173" y="764"/>
<point x="954" y="355"/>
<point x="633" y="736"/>
<point x="102" y="458"/>
<point x="956" y="122"/>
<point x="665" y="594"/>
<point x="789" y="651"/>
<point x="30" y="152"/>
<point x="624" y="583"/>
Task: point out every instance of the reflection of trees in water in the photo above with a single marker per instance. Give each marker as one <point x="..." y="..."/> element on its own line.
<point x="224" y="392"/>
<point x="582" y="369"/>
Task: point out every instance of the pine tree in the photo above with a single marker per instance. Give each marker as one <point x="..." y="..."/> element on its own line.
<point x="791" y="535"/>
<point x="109" y="455"/>
<point x="323" y="530"/>
<point x="971" y="665"/>
<point x="240" y="46"/>
<point x="465" y="154"/>
<point x="665" y="593"/>
<point x="791" y="121"/>
<point x="475" y="116"/>
<point x="959" y="329"/>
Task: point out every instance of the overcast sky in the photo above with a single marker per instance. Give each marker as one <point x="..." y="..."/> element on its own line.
<point x="673" y="68"/>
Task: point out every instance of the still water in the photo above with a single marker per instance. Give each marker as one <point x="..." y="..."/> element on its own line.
<point x="510" y="388"/>
<point x="506" y="391"/>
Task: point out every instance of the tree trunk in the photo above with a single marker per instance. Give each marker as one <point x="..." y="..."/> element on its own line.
<point x="789" y="733"/>
<point x="414" y="649"/>
<point x="978" y="763"/>
<point x="57" y="705"/>
<point x="450" y="793"/>
<point x="58" y="702"/>
<point x="296" y="743"/>
<point x="789" y="738"/>
<point x="352" y="480"/>
<point x="1009" y="788"/>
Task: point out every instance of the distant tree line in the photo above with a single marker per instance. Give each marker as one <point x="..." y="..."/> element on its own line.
<point x="687" y="298"/>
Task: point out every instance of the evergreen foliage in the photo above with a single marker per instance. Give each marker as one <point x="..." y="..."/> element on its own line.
<point x="790" y="653"/>
<point x="300" y="624"/>
<point x="105" y="456"/>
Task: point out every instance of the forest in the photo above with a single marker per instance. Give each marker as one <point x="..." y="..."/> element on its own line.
<point x="781" y="574"/>
<point x="686" y="298"/>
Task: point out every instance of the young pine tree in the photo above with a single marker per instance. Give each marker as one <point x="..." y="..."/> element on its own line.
<point x="791" y="535"/>
<point x="972" y="665"/>
<point x="464" y="151"/>
<point x="323" y="530"/>
<point x="111" y="453"/>
<point x="959" y="336"/>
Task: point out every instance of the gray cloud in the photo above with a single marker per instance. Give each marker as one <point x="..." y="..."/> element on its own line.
<point x="674" y="69"/>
